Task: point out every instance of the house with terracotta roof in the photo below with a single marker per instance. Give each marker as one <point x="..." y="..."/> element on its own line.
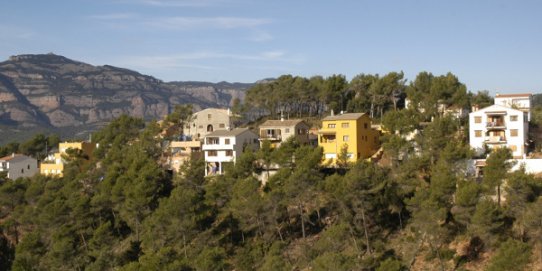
<point x="278" y="131"/>
<point x="18" y="165"/>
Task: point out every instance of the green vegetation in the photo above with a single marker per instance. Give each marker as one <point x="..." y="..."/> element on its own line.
<point x="123" y="211"/>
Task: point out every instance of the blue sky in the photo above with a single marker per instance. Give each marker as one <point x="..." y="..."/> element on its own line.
<point x="489" y="44"/>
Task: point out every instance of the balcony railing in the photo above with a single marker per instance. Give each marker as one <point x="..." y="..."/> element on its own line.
<point x="495" y="139"/>
<point x="495" y="124"/>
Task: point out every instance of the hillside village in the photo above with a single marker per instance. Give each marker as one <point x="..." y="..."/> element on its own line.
<point x="211" y="134"/>
<point x="397" y="181"/>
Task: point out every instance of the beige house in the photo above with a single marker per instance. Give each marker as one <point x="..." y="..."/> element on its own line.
<point x="207" y="121"/>
<point x="54" y="165"/>
<point x="278" y="131"/>
<point x="182" y="151"/>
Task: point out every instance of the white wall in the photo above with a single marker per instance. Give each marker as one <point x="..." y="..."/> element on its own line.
<point x="532" y="166"/>
<point x="477" y="143"/>
<point x="27" y="167"/>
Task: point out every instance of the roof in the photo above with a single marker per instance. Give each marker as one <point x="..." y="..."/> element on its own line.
<point x="513" y="95"/>
<point x="346" y="116"/>
<point x="14" y="158"/>
<point x="234" y="132"/>
<point x="494" y="109"/>
<point x="274" y="123"/>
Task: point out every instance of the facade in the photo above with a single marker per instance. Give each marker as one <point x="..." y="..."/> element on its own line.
<point x="55" y="165"/>
<point x="498" y="126"/>
<point x="278" y="131"/>
<point x="18" y="165"/>
<point x="225" y="146"/>
<point x="182" y="151"/>
<point x="207" y="121"/>
<point x="352" y="130"/>
<point x="521" y="102"/>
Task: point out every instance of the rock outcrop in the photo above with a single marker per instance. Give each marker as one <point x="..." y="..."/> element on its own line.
<point x="55" y="92"/>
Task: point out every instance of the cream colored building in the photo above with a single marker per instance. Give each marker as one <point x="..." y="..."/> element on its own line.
<point x="54" y="165"/>
<point x="183" y="151"/>
<point x="278" y="131"/>
<point x="207" y="121"/>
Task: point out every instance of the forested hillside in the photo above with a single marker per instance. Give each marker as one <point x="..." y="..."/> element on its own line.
<point x="414" y="210"/>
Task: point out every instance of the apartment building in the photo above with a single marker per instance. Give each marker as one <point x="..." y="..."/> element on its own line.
<point x="225" y="146"/>
<point x="499" y="126"/>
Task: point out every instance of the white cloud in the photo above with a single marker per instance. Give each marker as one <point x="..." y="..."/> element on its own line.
<point x="188" y="23"/>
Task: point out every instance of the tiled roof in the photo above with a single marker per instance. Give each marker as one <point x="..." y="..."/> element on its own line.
<point x="346" y="116"/>
<point x="234" y="132"/>
<point x="286" y="123"/>
<point x="13" y="158"/>
<point x="512" y="95"/>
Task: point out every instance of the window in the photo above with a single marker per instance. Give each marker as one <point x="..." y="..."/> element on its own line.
<point x="229" y="153"/>
<point x="211" y="153"/>
<point x="477" y="119"/>
<point x="28" y="167"/>
<point x="345" y="138"/>
<point x="201" y="126"/>
<point x="513" y="148"/>
<point x="209" y="128"/>
<point x="222" y="125"/>
<point x="513" y="132"/>
<point x="365" y="125"/>
<point x="227" y="141"/>
<point x="514" y="118"/>
<point x="209" y="116"/>
<point x="331" y="125"/>
<point x="212" y="140"/>
<point x="345" y="125"/>
<point x="287" y="130"/>
<point x="477" y="133"/>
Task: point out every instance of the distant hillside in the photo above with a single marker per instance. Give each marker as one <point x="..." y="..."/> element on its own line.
<point x="53" y="93"/>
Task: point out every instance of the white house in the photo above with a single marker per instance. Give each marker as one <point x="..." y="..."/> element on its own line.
<point x="225" y="146"/>
<point x="517" y="101"/>
<point x="18" y="165"/>
<point x="498" y="126"/>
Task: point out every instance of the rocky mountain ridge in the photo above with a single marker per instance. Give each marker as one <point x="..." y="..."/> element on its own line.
<point x="52" y="92"/>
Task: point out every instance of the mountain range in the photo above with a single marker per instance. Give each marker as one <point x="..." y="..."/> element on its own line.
<point x="52" y="93"/>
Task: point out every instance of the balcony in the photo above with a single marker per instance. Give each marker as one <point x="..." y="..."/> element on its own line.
<point x="271" y="134"/>
<point x="495" y="125"/>
<point x="495" y="140"/>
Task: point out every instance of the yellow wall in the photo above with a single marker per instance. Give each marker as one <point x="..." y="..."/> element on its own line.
<point x="362" y="142"/>
<point x="51" y="169"/>
<point x="57" y="167"/>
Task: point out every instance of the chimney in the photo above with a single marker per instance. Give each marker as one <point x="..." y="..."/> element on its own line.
<point x="12" y="154"/>
<point x="281" y="115"/>
<point x="332" y="113"/>
<point x="475" y="108"/>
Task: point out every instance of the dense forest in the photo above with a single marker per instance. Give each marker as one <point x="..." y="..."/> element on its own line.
<point x="415" y="209"/>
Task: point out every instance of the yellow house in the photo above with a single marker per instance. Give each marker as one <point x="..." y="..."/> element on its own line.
<point x="54" y="165"/>
<point x="350" y="130"/>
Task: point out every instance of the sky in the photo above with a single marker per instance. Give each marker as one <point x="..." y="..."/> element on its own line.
<point x="490" y="45"/>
